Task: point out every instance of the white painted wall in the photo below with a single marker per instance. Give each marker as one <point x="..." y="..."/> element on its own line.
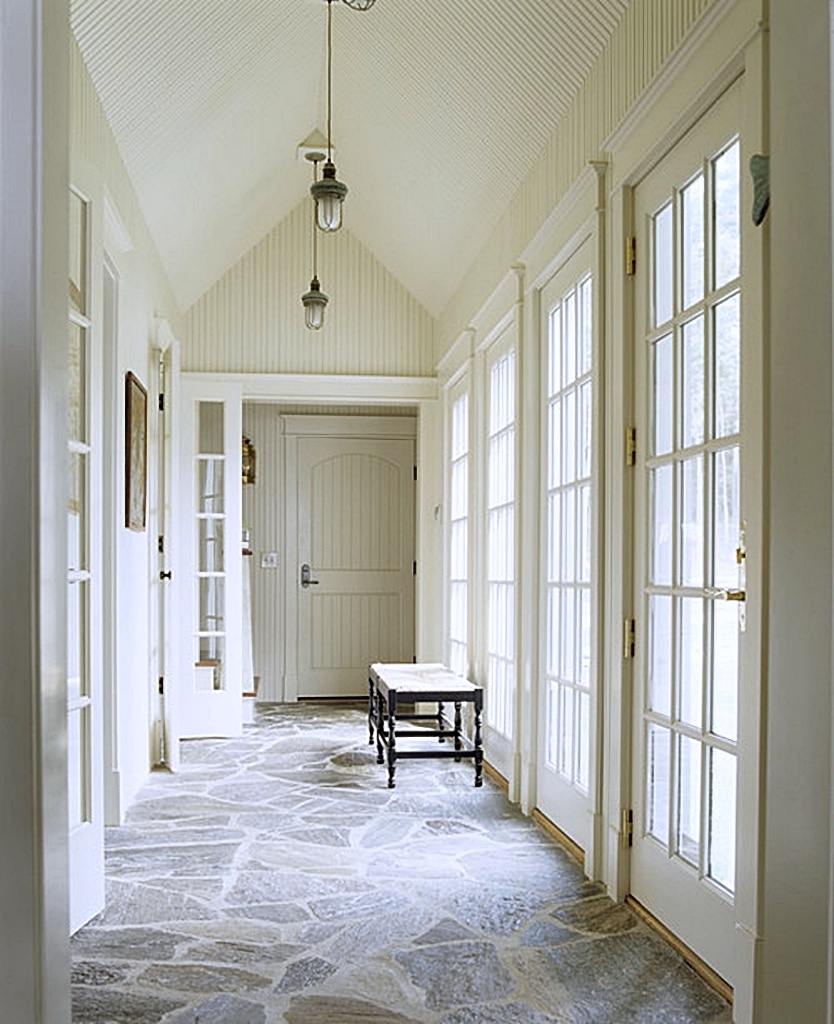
<point x="131" y="673"/>
<point x="34" y="901"/>
<point x="252" y="320"/>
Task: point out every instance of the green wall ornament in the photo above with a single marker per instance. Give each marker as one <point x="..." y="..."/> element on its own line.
<point x="760" y="170"/>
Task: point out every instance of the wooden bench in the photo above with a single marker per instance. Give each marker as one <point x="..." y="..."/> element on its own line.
<point x="390" y="686"/>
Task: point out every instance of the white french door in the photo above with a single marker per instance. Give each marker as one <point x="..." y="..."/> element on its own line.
<point x="210" y="682"/>
<point x="567" y="738"/>
<point x="689" y="542"/>
<point x="84" y="600"/>
<point x="352" y="581"/>
<point x="457" y="557"/>
<point x="499" y="569"/>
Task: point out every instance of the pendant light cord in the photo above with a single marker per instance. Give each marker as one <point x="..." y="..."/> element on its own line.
<point x="329" y="75"/>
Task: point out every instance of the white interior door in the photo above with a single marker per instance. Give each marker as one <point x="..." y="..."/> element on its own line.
<point x="168" y="547"/>
<point x="210" y="588"/>
<point x="354" y="519"/>
<point x="567" y="741"/>
<point x="84" y="602"/>
<point x="689" y="538"/>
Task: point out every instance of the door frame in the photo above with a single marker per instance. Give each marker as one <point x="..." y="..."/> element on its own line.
<point x="297" y="427"/>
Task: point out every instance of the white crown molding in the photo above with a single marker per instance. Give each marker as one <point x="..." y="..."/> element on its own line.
<point x="332" y="389"/>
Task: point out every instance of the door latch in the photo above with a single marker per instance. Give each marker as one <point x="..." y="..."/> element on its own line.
<point x="305" y="577"/>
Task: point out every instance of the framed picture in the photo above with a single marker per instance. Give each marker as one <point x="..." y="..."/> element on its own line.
<point x="136" y="452"/>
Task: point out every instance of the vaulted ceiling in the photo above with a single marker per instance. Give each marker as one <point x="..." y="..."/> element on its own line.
<point x="440" y="108"/>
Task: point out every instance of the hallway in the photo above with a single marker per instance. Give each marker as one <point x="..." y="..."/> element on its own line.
<point x="275" y="878"/>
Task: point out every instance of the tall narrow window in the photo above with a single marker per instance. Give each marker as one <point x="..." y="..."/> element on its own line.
<point x="500" y="545"/>
<point x="459" y="536"/>
<point x="569" y="622"/>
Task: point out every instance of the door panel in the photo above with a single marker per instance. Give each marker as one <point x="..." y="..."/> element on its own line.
<point x="689" y="536"/>
<point x="355" y="521"/>
<point x="210" y="685"/>
<point x="567" y="740"/>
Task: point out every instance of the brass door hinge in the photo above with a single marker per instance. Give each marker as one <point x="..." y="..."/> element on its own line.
<point x="631" y="446"/>
<point x="629" y="637"/>
<point x="627" y="830"/>
<point x="631" y="256"/>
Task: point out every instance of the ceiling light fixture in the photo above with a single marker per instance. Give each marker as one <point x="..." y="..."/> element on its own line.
<point x="314" y="301"/>
<point x="328" y="192"/>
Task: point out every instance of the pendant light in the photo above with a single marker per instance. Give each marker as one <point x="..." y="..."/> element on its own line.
<point x="328" y="192"/>
<point x="314" y="301"/>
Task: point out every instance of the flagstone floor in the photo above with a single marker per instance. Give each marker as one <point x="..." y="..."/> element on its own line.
<point x="276" y="878"/>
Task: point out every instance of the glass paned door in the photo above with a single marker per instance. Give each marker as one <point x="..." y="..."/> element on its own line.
<point x="569" y="524"/>
<point x="500" y="543"/>
<point x="690" y="566"/>
<point x="84" y="502"/>
<point x="458" y="535"/>
<point x="211" y="697"/>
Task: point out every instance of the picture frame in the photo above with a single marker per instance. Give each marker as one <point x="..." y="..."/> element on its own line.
<point x="136" y="452"/>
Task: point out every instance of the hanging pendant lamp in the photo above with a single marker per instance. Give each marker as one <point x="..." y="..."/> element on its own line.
<point x="329" y="193"/>
<point x="314" y="301"/>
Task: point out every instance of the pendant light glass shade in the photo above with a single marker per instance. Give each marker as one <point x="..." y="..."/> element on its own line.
<point x="314" y="302"/>
<point x="329" y="194"/>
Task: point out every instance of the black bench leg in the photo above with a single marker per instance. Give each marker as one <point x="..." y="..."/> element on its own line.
<point x="479" y="753"/>
<point x="380" y="727"/>
<point x="458" y="743"/>
<point x="371" y="711"/>
<point x="441" y="724"/>
<point x="392" y="738"/>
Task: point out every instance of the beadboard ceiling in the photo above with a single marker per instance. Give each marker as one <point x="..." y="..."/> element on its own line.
<point x="440" y="108"/>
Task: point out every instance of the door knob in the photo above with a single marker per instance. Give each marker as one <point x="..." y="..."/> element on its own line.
<point x="305" y="577"/>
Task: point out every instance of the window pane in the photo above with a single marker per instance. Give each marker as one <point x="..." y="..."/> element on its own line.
<point x="77" y="371"/>
<point x="692" y="522"/>
<point x="583" y="541"/>
<point x="210" y="671"/>
<point x="77" y="253"/>
<point x="663" y="393"/>
<point x="692" y="255"/>
<point x="77" y="512"/>
<point x="554" y="445"/>
<point x="77" y="743"/>
<point x="212" y="604"/>
<point x="725" y="670"/>
<point x="663" y="266"/>
<point x="586" y="328"/>
<point x="210" y="482"/>
<point x="457" y="550"/>
<point x="569" y="535"/>
<point x="583" y="734"/>
<point x="554" y="612"/>
<point x="566" y="731"/>
<point x="460" y="427"/>
<point x="459" y="488"/>
<point x="693" y="383"/>
<point x="569" y="340"/>
<point x="567" y="637"/>
<point x="727" y="184"/>
<point x="657" y="783"/>
<point x="726" y="517"/>
<point x="728" y="367"/>
<point x="554" y="379"/>
<point x="77" y="675"/>
<point x="689" y="800"/>
<point x="691" y="655"/>
<point x="584" y="632"/>
<point x="660" y="655"/>
<point x="210" y="428"/>
<point x="721" y="866"/>
<point x="662" y="480"/>
<point x="211" y="555"/>
<point x="569" y="437"/>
